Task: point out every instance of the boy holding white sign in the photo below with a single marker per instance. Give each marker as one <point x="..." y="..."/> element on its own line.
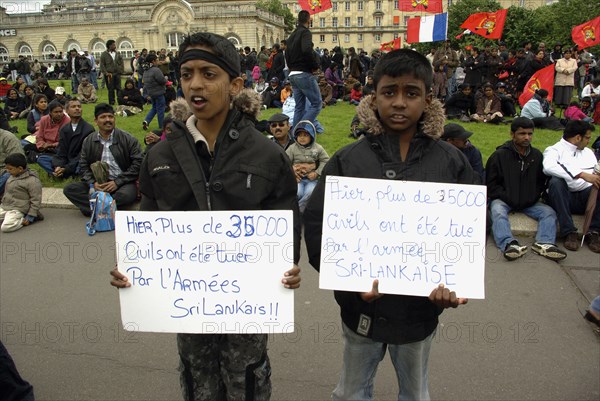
<point x="217" y="161"/>
<point x="401" y="143"/>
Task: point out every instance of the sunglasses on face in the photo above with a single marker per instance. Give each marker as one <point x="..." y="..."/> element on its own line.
<point x="282" y="124"/>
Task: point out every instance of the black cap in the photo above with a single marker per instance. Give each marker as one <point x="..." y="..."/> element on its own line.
<point x="279" y="117"/>
<point x="456" y="131"/>
<point x="102" y="108"/>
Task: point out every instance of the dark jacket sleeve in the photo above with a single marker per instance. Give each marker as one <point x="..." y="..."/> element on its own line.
<point x="61" y="158"/>
<point x="30" y="123"/>
<point x="131" y="147"/>
<point x="494" y="179"/>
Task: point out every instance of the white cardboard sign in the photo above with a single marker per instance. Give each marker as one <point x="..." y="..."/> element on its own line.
<point x="411" y="236"/>
<point x="206" y="272"/>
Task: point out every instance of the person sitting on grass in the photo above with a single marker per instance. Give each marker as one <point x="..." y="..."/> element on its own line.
<point x="488" y="107"/>
<point x="574" y="112"/>
<point x="22" y="197"/>
<point x="38" y="110"/>
<point x="356" y="94"/>
<point x="461" y="104"/>
<point x="86" y="93"/>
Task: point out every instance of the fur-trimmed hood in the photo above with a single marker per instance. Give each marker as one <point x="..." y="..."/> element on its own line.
<point x="432" y="121"/>
<point x="247" y="101"/>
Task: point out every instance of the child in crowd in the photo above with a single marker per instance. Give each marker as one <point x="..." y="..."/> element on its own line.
<point x="308" y="160"/>
<point x="440" y="83"/>
<point x="461" y="104"/>
<point x="400" y="148"/>
<point x="22" y="197"/>
<point x="574" y="112"/>
<point x="488" y="107"/>
<point x="356" y="94"/>
<point x="217" y="160"/>
<point x="586" y="106"/>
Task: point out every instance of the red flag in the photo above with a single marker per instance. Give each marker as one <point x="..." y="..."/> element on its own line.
<point x="542" y="79"/>
<point x="430" y="6"/>
<point x="391" y="45"/>
<point x="488" y="25"/>
<point x="587" y="34"/>
<point x="315" y="6"/>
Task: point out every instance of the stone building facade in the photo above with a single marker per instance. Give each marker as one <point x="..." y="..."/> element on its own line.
<point x="134" y="25"/>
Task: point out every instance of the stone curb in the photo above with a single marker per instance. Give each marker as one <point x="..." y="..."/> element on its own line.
<point x="520" y="224"/>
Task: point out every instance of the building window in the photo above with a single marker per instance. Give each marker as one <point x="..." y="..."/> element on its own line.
<point x="360" y="37"/>
<point x="125" y="49"/>
<point x="406" y="20"/>
<point x="347" y="6"/>
<point x="346" y="21"/>
<point x="322" y="22"/>
<point x="49" y="52"/>
<point x="334" y="22"/>
<point x="322" y="38"/>
<point x="378" y="5"/>
<point x="25" y="50"/>
<point x="377" y="38"/>
<point x="360" y="6"/>
<point x="378" y="22"/>
<point x="334" y="38"/>
<point x="334" y="7"/>
<point x="4" y="55"/>
<point x="97" y="49"/>
<point x="361" y="21"/>
<point x="346" y="38"/>
<point x="396" y="36"/>
<point x="396" y="20"/>
<point x="72" y="45"/>
<point x="174" y="39"/>
<point x="396" y="4"/>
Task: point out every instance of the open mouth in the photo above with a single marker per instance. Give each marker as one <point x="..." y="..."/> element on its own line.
<point x="198" y="101"/>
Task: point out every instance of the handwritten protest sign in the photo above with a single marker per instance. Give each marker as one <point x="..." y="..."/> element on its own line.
<point x="411" y="236"/>
<point x="206" y="272"/>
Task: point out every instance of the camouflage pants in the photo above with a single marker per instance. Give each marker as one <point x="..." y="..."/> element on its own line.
<point x="219" y="367"/>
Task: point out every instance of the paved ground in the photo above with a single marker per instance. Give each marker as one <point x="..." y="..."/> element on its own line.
<point x="60" y="320"/>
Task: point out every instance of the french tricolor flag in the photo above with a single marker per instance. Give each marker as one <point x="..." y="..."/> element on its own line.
<point x="430" y="28"/>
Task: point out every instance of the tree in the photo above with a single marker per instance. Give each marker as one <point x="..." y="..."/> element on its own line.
<point x="275" y="7"/>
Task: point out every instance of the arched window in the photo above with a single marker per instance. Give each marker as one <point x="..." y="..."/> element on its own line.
<point x="4" y="55"/>
<point x="49" y="51"/>
<point x="97" y="49"/>
<point x="174" y="39"/>
<point x="125" y="49"/>
<point x="72" y="45"/>
<point x="25" y="50"/>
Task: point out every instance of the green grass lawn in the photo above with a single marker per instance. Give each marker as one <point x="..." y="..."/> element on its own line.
<point x="335" y="119"/>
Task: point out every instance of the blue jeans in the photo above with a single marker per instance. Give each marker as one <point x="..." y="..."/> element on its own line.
<point x="3" y="178"/>
<point x="565" y="202"/>
<point x="544" y="214"/>
<point x="94" y="78"/>
<point x="304" y="86"/>
<point x="305" y="189"/>
<point x="45" y="161"/>
<point x="362" y="356"/>
<point x="158" y="108"/>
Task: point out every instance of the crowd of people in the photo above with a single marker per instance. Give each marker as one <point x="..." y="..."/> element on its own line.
<point x="401" y="98"/>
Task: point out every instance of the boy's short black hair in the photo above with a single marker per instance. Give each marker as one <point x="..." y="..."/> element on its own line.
<point x="303" y="17"/>
<point x="16" y="160"/>
<point x="576" y="127"/>
<point x="219" y="45"/>
<point x="521" y="122"/>
<point x="542" y="92"/>
<point x="404" y="62"/>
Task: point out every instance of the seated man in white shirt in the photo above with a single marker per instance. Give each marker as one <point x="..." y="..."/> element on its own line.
<point x="570" y="165"/>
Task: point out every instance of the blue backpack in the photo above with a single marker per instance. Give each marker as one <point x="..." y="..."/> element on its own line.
<point x="103" y="208"/>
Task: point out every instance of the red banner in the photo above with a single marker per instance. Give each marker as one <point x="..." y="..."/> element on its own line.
<point x="391" y="45"/>
<point x="488" y="25"/>
<point x="315" y="6"/>
<point x="587" y="34"/>
<point x="542" y="79"/>
<point x="429" y="6"/>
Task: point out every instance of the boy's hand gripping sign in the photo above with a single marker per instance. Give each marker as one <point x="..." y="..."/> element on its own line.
<point x="206" y="272"/>
<point x="411" y="236"/>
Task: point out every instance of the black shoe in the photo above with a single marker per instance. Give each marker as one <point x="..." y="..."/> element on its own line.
<point x="144" y="125"/>
<point x="514" y="250"/>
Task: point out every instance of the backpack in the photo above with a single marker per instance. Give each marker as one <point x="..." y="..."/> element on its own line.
<point x="103" y="208"/>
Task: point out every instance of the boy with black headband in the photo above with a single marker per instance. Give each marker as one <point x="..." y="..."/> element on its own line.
<point x="228" y="165"/>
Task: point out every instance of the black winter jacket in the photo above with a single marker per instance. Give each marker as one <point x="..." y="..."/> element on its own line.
<point x="517" y="180"/>
<point x="126" y="150"/>
<point x="395" y="319"/>
<point x="70" y="142"/>
<point x="247" y="171"/>
<point x="299" y="54"/>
